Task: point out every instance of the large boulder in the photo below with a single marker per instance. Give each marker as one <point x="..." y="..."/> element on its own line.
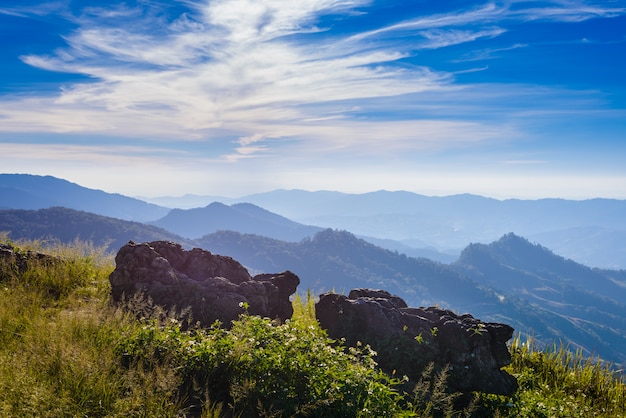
<point x="213" y="287"/>
<point x="407" y="340"/>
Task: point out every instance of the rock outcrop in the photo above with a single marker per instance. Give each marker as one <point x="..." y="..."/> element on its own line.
<point x="214" y="287"/>
<point x="408" y="339"/>
<point x="13" y="261"/>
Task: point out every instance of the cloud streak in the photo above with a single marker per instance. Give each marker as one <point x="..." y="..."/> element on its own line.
<point x="263" y="74"/>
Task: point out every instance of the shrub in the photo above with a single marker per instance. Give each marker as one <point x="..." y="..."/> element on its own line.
<point x="260" y="367"/>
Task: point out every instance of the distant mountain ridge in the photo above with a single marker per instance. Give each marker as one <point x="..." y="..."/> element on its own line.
<point x="240" y="217"/>
<point x="510" y="281"/>
<point x="591" y="232"/>
<point x="25" y="191"/>
<point x="66" y="225"/>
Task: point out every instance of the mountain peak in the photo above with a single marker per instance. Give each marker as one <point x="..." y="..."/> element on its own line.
<point x="241" y="217"/>
<point x="510" y="249"/>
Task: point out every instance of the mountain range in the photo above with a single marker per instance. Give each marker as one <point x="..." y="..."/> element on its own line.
<point x="67" y="225"/>
<point x="591" y="232"/>
<point x="24" y="191"/>
<point x="509" y="279"/>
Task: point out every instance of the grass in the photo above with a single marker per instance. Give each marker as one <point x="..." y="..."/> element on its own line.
<point x="67" y="351"/>
<point x="556" y="381"/>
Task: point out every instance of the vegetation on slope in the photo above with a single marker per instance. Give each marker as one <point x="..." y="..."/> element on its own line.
<point x="510" y="280"/>
<point x="64" y="225"/>
<point x="65" y="350"/>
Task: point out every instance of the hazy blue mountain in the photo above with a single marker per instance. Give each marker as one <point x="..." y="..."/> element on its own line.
<point x="188" y="201"/>
<point x="592" y="232"/>
<point x="241" y="217"/>
<point x="33" y="192"/>
<point x="339" y="260"/>
<point x="510" y="281"/>
<point x="584" y="306"/>
<point x="66" y="225"/>
<point x="588" y="245"/>
<point x="298" y="204"/>
<point x="25" y="191"/>
<point x="450" y="223"/>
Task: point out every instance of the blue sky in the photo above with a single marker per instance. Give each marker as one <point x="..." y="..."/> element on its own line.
<point x="150" y="98"/>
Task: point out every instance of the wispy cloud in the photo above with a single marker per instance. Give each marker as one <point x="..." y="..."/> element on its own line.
<point x="246" y="72"/>
<point x="564" y="10"/>
<point x="11" y="13"/>
<point x="488" y="54"/>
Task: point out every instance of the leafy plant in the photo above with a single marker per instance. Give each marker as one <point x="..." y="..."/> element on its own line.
<point x="260" y="367"/>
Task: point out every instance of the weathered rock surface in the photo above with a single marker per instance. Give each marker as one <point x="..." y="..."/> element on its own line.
<point x="214" y="287"/>
<point x="409" y="339"/>
<point x="13" y="261"/>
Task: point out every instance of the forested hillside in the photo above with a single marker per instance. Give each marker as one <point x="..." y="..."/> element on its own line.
<point x="66" y="225"/>
<point x="240" y="217"/>
<point x="338" y="260"/>
<point x="527" y="286"/>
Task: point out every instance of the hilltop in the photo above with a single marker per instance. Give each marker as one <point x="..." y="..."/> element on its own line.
<point x="239" y="217"/>
<point x="66" y="350"/>
<point x="511" y="281"/>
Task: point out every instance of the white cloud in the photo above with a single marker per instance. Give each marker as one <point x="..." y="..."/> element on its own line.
<point x="488" y="54"/>
<point x="11" y="13"/>
<point x="229" y="68"/>
<point x="565" y="10"/>
<point x="245" y="69"/>
<point x="437" y="38"/>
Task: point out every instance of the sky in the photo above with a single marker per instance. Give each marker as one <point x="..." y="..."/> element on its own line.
<point x="507" y="99"/>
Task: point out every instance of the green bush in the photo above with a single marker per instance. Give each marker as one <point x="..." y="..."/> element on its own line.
<point x="262" y="368"/>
